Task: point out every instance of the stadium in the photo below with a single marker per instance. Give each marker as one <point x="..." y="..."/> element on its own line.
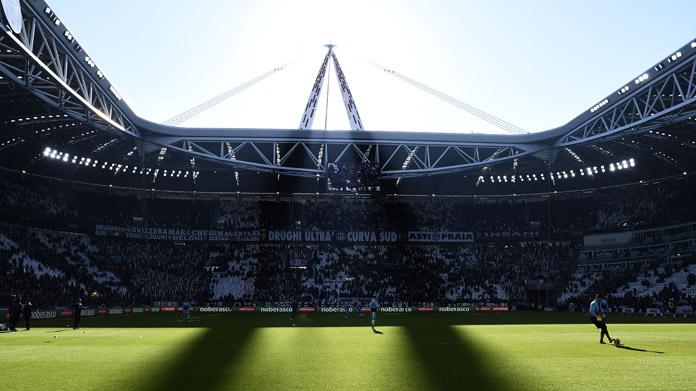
<point x="152" y="255"/>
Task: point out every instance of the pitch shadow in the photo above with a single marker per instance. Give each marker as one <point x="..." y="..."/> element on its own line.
<point x="637" y="349"/>
<point x="451" y="361"/>
<point x="205" y="363"/>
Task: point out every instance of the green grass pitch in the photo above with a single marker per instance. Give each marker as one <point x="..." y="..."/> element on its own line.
<point x="232" y="351"/>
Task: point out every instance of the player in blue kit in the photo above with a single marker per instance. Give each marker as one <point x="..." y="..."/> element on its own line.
<point x="186" y="307"/>
<point x="374" y="304"/>
<point x="597" y="318"/>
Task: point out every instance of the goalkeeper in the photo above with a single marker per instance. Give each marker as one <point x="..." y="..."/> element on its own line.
<point x="597" y="318"/>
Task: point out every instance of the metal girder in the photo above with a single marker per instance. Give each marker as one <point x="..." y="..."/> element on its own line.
<point x="668" y="96"/>
<point x="304" y="158"/>
<point x="46" y="60"/>
<point x="348" y="101"/>
<point x="313" y="100"/>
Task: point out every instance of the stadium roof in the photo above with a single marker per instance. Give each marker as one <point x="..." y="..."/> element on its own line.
<point x="62" y="117"/>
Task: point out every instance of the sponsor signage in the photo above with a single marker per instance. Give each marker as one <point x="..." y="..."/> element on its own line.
<point x="154" y="309"/>
<point x="269" y="309"/>
<point x="66" y="312"/>
<point x="248" y="309"/>
<point x="333" y="236"/>
<point x="184" y="235"/>
<point x="396" y="309"/>
<point x="101" y="311"/>
<point x="425" y="309"/>
<point x="167" y="309"/>
<point x="138" y="310"/>
<point x="334" y="309"/>
<point x="453" y="309"/>
<point x="128" y="310"/>
<point x="495" y="308"/>
<point x="306" y="309"/>
<point x="215" y="309"/>
<point x="43" y="314"/>
<point x="628" y="310"/>
<point x="115" y="311"/>
<point x="440" y="237"/>
<point x="87" y="312"/>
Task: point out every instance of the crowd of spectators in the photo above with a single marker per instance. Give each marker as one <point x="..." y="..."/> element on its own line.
<point x="649" y="285"/>
<point x="32" y="201"/>
<point x="49" y="250"/>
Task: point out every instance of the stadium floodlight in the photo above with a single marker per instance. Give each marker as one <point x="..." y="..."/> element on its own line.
<point x="642" y="78"/>
<point x="624" y="163"/>
<point x="631" y="162"/>
<point x="47" y="151"/>
<point x="611" y="167"/>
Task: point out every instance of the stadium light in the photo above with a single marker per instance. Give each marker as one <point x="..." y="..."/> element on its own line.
<point x="642" y="78"/>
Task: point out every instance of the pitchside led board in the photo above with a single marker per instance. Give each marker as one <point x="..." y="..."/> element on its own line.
<point x="13" y="14"/>
<point x="358" y="177"/>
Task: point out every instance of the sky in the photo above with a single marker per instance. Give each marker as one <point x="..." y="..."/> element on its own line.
<point x="536" y="64"/>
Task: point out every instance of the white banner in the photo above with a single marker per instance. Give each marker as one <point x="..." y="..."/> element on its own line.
<point x="186" y="235"/>
<point x="440" y="237"/>
<point x="333" y="236"/>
